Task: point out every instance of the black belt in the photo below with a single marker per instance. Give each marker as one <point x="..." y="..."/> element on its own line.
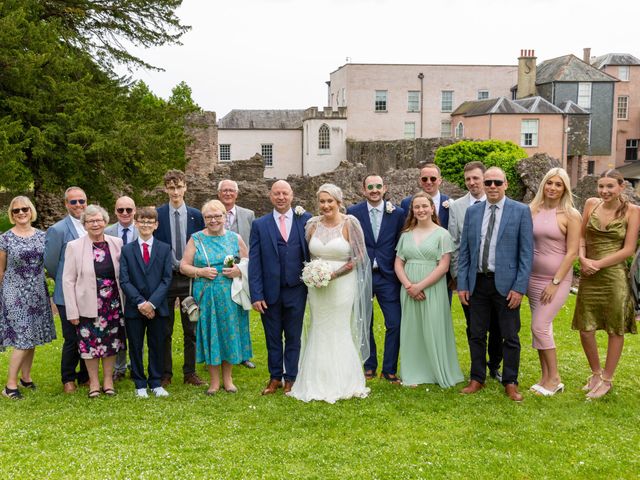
<point x="487" y="274"/>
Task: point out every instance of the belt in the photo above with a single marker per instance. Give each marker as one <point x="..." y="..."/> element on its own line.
<point x="486" y="275"/>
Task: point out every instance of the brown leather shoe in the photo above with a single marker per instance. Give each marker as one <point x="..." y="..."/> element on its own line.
<point x="165" y="381"/>
<point x="272" y="387"/>
<point x="511" y="389"/>
<point x="69" y="387"/>
<point x="391" y="378"/>
<point x="193" y="379"/>
<point x="288" y="384"/>
<point x="369" y="374"/>
<point x="473" y="387"/>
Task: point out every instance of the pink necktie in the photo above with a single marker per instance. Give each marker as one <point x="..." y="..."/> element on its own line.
<point x="283" y="228"/>
<point x="145" y="253"/>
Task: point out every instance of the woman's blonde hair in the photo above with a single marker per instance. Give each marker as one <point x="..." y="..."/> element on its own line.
<point x="27" y="201"/>
<point x="335" y="192"/>
<point x="566" y="201"/>
<point x="214" y="205"/>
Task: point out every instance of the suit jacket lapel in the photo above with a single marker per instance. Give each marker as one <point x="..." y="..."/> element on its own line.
<point x="367" y="228"/>
<point x="71" y="227"/>
<point x="506" y="212"/>
<point x="138" y="256"/>
<point x="273" y="232"/>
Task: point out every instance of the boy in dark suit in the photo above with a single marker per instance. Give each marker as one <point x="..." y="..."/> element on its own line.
<point x="145" y="278"/>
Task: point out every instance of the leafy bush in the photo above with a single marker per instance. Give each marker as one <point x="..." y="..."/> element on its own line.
<point x="492" y="153"/>
<point x="4" y="223"/>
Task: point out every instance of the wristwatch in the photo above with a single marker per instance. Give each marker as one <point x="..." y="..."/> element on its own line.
<point x="555" y="281"/>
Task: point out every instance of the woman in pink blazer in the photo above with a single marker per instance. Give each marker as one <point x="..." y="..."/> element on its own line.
<point x="92" y="298"/>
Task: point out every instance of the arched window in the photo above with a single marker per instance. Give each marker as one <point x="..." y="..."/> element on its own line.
<point x="460" y="130"/>
<point x="324" y="142"/>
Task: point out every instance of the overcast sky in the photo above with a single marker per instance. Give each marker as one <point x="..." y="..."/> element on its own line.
<point x="274" y="54"/>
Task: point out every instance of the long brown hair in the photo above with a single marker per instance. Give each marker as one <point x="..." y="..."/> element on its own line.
<point x="621" y="211"/>
<point x="412" y="221"/>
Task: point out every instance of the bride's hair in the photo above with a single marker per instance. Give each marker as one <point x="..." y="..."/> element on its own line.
<point x="335" y="192"/>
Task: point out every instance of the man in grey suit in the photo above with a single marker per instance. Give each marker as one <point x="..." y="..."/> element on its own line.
<point x="57" y="237"/>
<point x="238" y="220"/>
<point x="492" y="279"/>
<point x="473" y="179"/>
<point x="125" y="229"/>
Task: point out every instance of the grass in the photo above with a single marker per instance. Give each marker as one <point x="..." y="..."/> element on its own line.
<point x="395" y="433"/>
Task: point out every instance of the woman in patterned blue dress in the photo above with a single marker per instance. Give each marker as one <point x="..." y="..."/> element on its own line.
<point x="25" y="311"/>
<point x="222" y="333"/>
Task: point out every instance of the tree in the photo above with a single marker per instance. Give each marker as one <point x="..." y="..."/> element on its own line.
<point x="452" y="159"/>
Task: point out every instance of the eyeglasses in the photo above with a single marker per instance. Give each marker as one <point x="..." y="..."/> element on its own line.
<point x="429" y="179"/>
<point x="217" y="218"/>
<point x="122" y="210"/>
<point x="228" y="190"/>
<point x="497" y="183"/>
<point x="377" y="186"/>
<point x="16" y="211"/>
<point x="81" y="201"/>
<point x="175" y="187"/>
<point x="146" y="223"/>
<point x="96" y="221"/>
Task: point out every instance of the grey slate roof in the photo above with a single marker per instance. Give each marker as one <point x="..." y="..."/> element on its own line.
<point x="262" y="119"/>
<point x="569" y="68"/>
<point x="537" y="105"/>
<point x="614" y="59"/>
<point x="503" y="105"/>
<point x="571" y="108"/>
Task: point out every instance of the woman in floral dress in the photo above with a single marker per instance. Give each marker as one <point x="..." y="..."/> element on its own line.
<point x="25" y="311"/>
<point x="92" y="298"/>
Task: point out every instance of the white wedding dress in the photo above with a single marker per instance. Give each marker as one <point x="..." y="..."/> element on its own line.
<point x="330" y="368"/>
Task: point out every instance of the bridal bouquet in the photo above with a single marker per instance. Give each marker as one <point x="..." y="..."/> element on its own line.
<point x="316" y="273"/>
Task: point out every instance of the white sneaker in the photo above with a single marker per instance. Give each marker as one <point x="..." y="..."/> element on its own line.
<point x="142" y="393"/>
<point x="160" y="392"/>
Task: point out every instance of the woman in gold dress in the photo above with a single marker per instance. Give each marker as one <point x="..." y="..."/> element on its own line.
<point x="609" y="235"/>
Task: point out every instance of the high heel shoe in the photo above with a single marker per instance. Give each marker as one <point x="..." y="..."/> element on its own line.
<point x="604" y="386"/>
<point x="549" y="393"/>
<point x="592" y="381"/>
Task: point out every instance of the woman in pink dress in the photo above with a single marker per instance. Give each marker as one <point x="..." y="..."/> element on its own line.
<point x="556" y="234"/>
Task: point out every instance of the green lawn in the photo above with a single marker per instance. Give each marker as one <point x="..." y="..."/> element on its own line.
<point x="395" y="433"/>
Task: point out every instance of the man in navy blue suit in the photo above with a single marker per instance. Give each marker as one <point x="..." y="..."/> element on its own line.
<point x="277" y="251"/>
<point x="430" y="180"/>
<point x="381" y="223"/>
<point x="145" y="277"/>
<point x="176" y="223"/>
<point x="495" y="281"/>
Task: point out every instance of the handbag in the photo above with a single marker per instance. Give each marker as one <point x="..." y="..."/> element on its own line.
<point x="189" y="305"/>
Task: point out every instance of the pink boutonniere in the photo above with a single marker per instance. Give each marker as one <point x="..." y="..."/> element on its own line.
<point x="389" y="207"/>
<point x="445" y="204"/>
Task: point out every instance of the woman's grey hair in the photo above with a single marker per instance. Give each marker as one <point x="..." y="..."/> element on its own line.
<point x="92" y="210"/>
<point x="333" y="190"/>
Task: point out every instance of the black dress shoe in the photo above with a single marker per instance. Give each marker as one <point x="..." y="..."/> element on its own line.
<point x="248" y="364"/>
<point x="496" y="375"/>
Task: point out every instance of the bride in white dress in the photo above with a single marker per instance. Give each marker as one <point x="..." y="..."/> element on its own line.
<point x="335" y="335"/>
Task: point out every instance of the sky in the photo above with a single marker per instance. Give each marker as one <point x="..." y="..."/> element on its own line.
<point x="278" y="54"/>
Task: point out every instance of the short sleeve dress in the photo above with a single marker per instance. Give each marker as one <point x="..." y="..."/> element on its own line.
<point x="25" y="310"/>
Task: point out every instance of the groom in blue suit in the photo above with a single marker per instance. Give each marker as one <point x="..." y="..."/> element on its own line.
<point x="494" y="264"/>
<point x="277" y="251"/>
<point x="381" y="223"/>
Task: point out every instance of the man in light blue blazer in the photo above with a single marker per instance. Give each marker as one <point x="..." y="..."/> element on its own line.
<point x="57" y="237"/>
<point x="494" y="264"/>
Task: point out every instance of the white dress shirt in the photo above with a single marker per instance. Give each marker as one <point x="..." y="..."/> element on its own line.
<point x="288" y="220"/>
<point x="491" y="265"/>
<point x="79" y="227"/>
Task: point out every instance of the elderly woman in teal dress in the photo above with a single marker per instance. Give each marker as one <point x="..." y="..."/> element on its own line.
<point x="222" y="333"/>
<point x="427" y="343"/>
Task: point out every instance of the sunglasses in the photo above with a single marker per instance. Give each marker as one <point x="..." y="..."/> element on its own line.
<point x="377" y="186"/>
<point x="16" y="211"/>
<point x="77" y="202"/>
<point x="122" y="210"/>
<point x="497" y="183"/>
<point x="429" y="179"/>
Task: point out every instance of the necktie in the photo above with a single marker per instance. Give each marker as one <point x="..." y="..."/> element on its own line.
<point x="477" y="201"/>
<point x="487" y="239"/>
<point x="145" y="253"/>
<point x="178" y="236"/>
<point x="283" y="228"/>
<point x="124" y="235"/>
<point x="229" y="220"/>
<point x="374" y="222"/>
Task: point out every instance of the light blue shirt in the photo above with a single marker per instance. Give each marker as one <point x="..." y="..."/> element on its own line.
<point x="129" y="232"/>
<point x="491" y="265"/>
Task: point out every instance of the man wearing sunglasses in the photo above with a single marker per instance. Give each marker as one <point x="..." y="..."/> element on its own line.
<point x="494" y="264"/>
<point x="381" y="224"/>
<point x="124" y="229"/>
<point x="429" y="181"/>
<point x="72" y="369"/>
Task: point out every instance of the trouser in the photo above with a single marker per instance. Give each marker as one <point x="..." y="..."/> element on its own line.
<point x="179" y="289"/>
<point x="156" y="330"/>
<point x="70" y="356"/>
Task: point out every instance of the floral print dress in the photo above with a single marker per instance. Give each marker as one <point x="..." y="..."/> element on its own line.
<point x="103" y="336"/>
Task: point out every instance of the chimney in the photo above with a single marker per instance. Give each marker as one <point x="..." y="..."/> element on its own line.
<point x="586" y="55"/>
<point x="526" y="74"/>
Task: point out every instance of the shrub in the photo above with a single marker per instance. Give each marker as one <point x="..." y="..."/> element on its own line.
<point x="5" y="224"/>
<point x="492" y="153"/>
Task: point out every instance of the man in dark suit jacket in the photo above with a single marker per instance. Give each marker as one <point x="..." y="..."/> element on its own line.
<point x="276" y="254"/>
<point x="176" y="223"/>
<point x="495" y="281"/>
<point x="145" y="277"/>
<point x="430" y="180"/>
<point x="58" y="235"/>
<point x="381" y="223"/>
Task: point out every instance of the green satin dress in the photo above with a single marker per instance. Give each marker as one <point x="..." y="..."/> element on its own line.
<point x="604" y="299"/>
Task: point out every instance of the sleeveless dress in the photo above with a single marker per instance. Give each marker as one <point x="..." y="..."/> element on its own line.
<point x="25" y="311"/>
<point x="427" y="341"/>
<point x="604" y="298"/>
<point x="222" y="333"/>
<point x="549" y="249"/>
<point x="330" y="368"/>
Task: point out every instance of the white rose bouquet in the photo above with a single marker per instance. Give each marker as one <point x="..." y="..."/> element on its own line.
<point x="316" y="273"/>
<point x="229" y="261"/>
